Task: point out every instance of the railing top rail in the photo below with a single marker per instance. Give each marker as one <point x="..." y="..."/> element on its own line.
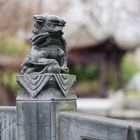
<point x="79" y="126"/>
<point x="7" y="108"/>
<point x="97" y="118"/>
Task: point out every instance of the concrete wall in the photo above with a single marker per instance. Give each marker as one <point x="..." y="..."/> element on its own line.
<point x="78" y="126"/>
<point x="8" y="123"/>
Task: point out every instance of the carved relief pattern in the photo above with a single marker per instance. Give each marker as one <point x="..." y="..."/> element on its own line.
<point x="65" y="82"/>
<point x="33" y="84"/>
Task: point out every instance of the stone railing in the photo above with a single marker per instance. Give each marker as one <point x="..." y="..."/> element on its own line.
<point x="78" y="126"/>
<point x="8" y="123"/>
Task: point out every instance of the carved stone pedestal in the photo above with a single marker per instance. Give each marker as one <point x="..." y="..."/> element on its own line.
<point x="46" y="86"/>
<point x="39" y="101"/>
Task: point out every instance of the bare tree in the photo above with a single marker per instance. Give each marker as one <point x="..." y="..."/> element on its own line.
<point x="17" y="14"/>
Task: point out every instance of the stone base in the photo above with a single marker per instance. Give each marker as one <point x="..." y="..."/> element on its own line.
<point x="39" y="102"/>
<point x="38" y="120"/>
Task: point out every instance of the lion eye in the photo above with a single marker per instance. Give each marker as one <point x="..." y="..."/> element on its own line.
<point x="51" y="26"/>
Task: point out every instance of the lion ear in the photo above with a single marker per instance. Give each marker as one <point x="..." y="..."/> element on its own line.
<point x="39" y="19"/>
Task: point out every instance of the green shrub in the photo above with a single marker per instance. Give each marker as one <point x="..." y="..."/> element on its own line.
<point x="8" y="80"/>
<point x="85" y="73"/>
<point x="12" y="46"/>
<point x="129" y="68"/>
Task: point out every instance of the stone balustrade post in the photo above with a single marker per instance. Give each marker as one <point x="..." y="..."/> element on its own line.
<point x="46" y="88"/>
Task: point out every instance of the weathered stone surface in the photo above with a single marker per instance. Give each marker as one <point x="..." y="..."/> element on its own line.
<point x="37" y="116"/>
<point x="77" y="126"/>
<point x="38" y="120"/>
<point x="51" y="94"/>
<point x="34" y="83"/>
<point x="48" y="52"/>
<point x="8" y="123"/>
<point x="46" y="86"/>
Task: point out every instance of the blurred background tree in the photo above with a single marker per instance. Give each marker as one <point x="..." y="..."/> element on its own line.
<point x="100" y="35"/>
<point x="15" y="17"/>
